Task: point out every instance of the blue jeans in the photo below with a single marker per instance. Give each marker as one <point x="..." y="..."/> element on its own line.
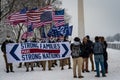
<point x="99" y="59"/>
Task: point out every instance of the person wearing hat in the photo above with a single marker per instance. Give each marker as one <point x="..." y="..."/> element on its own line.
<point x="76" y="53"/>
<point x="9" y="66"/>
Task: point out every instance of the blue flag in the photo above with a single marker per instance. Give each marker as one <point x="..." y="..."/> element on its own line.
<point x="60" y="12"/>
<point x="53" y="32"/>
<point x="70" y="30"/>
<point x="65" y="30"/>
<point x="30" y="28"/>
<point x="59" y="15"/>
<point x="24" y="10"/>
<point x="46" y="16"/>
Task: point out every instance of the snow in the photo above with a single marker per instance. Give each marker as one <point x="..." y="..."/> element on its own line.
<point x="58" y="74"/>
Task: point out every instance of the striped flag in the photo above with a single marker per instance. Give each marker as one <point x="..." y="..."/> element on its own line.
<point x="59" y="15"/>
<point x="18" y="17"/>
<point x="34" y="16"/>
<point x="40" y="17"/>
<point x="59" y="23"/>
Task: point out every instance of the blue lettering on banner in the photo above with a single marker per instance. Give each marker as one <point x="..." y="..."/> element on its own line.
<point x="30" y="57"/>
<point x="51" y="46"/>
<point x="50" y="56"/>
<point x="29" y="45"/>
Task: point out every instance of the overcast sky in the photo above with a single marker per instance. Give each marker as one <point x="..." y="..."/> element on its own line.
<point x="102" y="17"/>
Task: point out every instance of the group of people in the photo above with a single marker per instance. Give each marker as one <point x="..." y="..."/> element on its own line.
<point x="81" y="52"/>
<point x="31" y="65"/>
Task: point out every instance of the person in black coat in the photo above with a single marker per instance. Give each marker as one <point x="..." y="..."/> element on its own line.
<point x="105" y="54"/>
<point x="85" y="55"/>
<point x="9" y="66"/>
<point x="90" y="44"/>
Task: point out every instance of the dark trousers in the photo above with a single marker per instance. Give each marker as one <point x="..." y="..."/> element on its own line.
<point x="9" y="66"/>
<point x="106" y="66"/>
<point x="92" y="62"/>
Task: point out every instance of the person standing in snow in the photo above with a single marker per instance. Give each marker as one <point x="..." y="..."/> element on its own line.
<point x="90" y="44"/>
<point x="85" y="55"/>
<point x="76" y="53"/>
<point x="98" y="57"/>
<point x="9" y="66"/>
<point x="105" y="54"/>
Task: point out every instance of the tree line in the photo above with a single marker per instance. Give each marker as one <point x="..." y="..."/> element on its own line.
<point x="113" y="38"/>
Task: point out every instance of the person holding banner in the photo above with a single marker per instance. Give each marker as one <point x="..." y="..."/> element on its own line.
<point x="51" y="62"/>
<point x="76" y="54"/>
<point x="68" y="61"/>
<point x="29" y="64"/>
<point x="43" y="63"/>
<point x="20" y="64"/>
<point x="62" y="61"/>
<point x="9" y="66"/>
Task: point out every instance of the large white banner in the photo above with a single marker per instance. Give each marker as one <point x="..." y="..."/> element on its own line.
<point x="32" y="51"/>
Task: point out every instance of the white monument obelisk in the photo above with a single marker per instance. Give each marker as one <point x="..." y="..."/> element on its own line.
<point x="81" y="30"/>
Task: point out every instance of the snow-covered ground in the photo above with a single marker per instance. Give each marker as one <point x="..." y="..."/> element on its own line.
<point x="57" y="74"/>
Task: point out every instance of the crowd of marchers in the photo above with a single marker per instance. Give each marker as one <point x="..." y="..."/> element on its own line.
<point x="81" y="52"/>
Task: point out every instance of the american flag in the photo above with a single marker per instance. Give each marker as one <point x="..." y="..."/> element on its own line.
<point x="31" y="16"/>
<point x="59" y="15"/>
<point x="46" y="17"/>
<point x="59" y="23"/>
<point x="29" y="32"/>
<point x="34" y="16"/>
<point x="18" y="17"/>
<point x="26" y="34"/>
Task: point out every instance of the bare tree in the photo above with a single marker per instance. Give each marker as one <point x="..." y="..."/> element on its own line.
<point x="10" y="6"/>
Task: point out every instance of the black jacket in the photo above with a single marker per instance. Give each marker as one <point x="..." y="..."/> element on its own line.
<point x="105" y="54"/>
<point x="3" y="47"/>
<point x="90" y="45"/>
<point x="85" y="49"/>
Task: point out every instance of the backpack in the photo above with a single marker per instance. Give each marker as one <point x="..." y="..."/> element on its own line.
<point x="98" y="48"/>
<point x="76" y="51"/>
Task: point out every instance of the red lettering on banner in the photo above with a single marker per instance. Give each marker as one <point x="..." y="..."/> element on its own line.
<point x="25" y="51"/>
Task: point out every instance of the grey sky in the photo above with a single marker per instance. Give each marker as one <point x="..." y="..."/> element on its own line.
<point x="102" y="17"/>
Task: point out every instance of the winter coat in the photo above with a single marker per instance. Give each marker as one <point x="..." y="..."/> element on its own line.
<point x="85" y="49"/>
<point x="72" y="50"/>
<point x="105" y="54"/>
<point x="3" y="47"/>
<point x="98" y="48"/>
<point x="90" y="45"/>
